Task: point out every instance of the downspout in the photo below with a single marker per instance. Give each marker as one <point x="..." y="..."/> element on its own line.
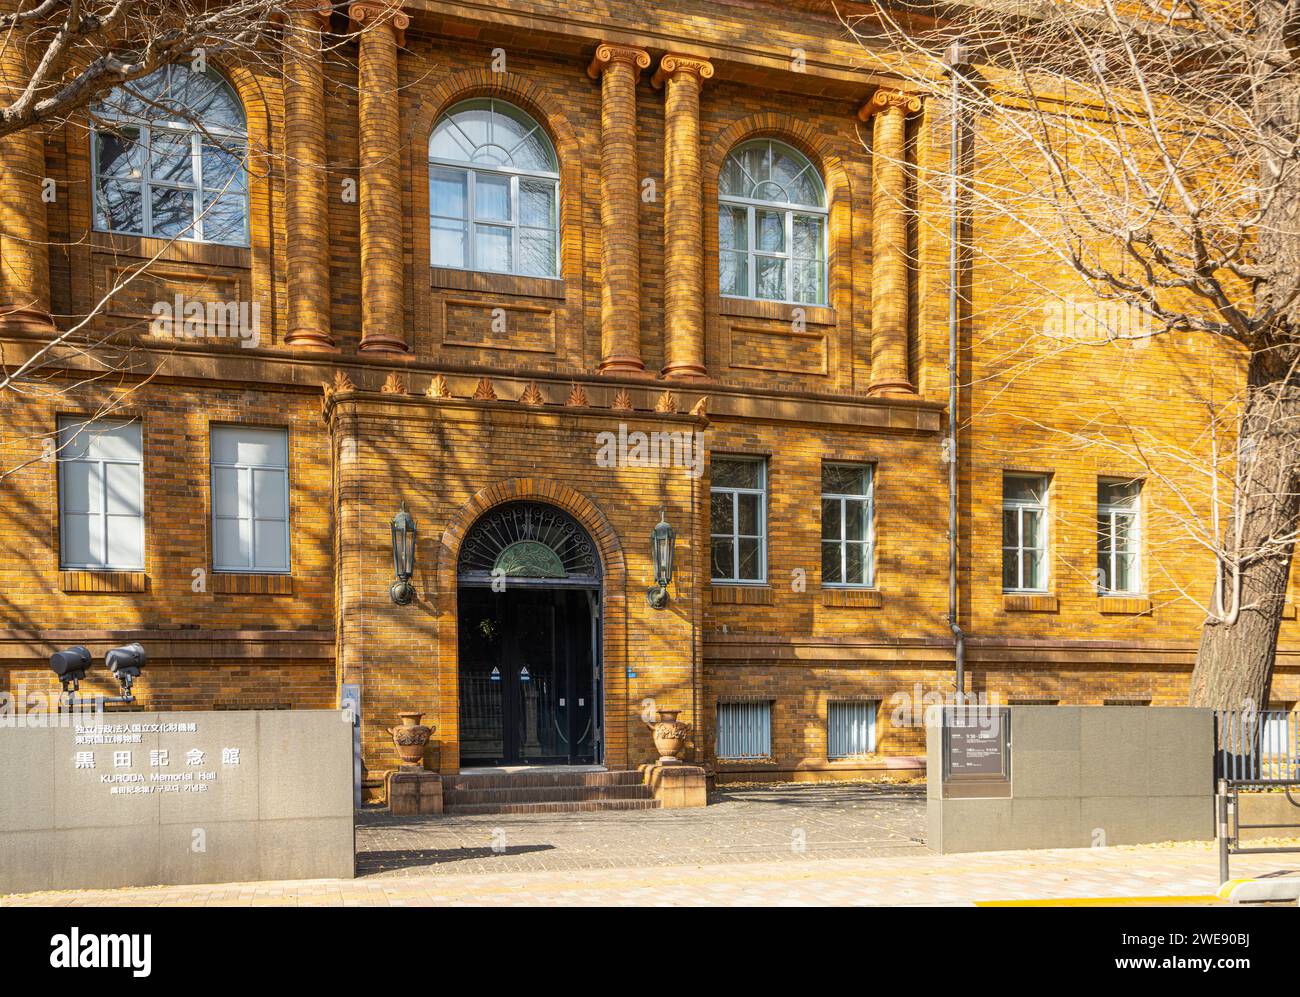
<point x="955" y="59"/>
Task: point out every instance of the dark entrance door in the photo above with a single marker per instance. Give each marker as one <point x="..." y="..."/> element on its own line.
<point x="528" y="677"/>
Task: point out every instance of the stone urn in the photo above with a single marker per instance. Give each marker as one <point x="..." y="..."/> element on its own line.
<point x="410" y="738"/>
<point x="670" y="737"/>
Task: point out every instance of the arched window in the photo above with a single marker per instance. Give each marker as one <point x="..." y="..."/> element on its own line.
<point x="494" y="191"/>
<point x="771" y="225"/>
<point x="169" y="159"/>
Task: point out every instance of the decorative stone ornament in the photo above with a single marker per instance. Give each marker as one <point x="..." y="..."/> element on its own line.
<point x="410" y="738"/>
<point x="669" y="736"/>
<point x="667" y="402"/>
<point x="622" y="401"/>
<point x="438" y="388"/>
<point x="484" y="392"/>
<point x="393" y="385"/>
<point x="532" y="395"/>
<point x="577" y="397"/>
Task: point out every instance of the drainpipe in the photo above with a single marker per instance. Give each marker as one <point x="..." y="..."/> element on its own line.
<point x="956" y="58"/>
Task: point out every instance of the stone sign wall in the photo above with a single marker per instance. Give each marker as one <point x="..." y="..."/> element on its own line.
<point x="136" y="799"/>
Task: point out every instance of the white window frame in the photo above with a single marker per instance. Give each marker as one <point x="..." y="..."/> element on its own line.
<point x="1112" y="511"/>
<point x="1020" y="506"/>
<point x="872" y="708"/>
<point x="788" y="210"/>
<point x="759" y="739"/>
<point x="869" y="545"/>
<point x="197" y="189"/>
<point x="471" y="172"/>
<point x="79" y="428"/>
<point x="241" y="466"/>
<point x="735" y="535"/>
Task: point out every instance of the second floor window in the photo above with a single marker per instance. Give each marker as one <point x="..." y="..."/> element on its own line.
<point x="1024" y="533"/>
<point x="847" y="532"/>
<point x="250" y="499"/>
<point x="494" y="191"/>
<point x="1118" y="522"/>
<point x="771" y="225"/>
<point x="168" y="159"/>
<point x="739" y="519"/>
<point x="101" y="495"/>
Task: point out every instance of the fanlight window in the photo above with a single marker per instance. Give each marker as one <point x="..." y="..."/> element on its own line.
<point x="168" y="159"/>
<point x="494" y="191"/>
<point x="528" y="540"/>
<point x="771" y="225"/>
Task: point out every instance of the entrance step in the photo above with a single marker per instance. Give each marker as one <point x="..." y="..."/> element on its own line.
<point x="549" y="791"/>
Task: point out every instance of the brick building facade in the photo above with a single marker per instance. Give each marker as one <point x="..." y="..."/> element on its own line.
<point x="641" y="293"/>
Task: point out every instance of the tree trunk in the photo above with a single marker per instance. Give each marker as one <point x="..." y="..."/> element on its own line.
<point x="1234" y="665"/>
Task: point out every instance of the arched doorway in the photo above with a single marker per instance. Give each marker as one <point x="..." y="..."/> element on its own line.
<point x="528" y="608"/>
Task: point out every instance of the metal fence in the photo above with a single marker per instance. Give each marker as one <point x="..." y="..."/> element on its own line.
<point x="1258" y="746"/>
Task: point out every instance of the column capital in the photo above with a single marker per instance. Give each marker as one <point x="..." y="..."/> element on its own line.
<point x="369" y="13"/>
<point x="884" y="99"/>
<point x="608" y="53"/>
<point x="673" y="64"/>
<point x="319" y="8"/>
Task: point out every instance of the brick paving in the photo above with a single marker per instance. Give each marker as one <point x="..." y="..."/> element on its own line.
<point x="859" y="847"/>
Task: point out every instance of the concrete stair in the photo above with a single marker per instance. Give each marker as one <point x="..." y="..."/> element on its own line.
<point x="545" y="792"/>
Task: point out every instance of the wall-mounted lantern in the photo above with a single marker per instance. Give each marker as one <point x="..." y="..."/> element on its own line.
<point x="663" y="538"/>
<point x="403" y="527"/>
<point x="125" y="662"/>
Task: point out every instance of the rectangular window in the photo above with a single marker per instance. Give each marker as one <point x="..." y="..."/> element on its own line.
<point x="250" y="500"/>
<point x="739" y="519"/>
<point x="744" y="730"/>
<point x="1118" y="521"/>
<point x="482" y="220"/>
<point x="1024" y="533"/>
<point x="101" y="495"/>
<point x="848" y="535"/>
<point x="850" y="729"/>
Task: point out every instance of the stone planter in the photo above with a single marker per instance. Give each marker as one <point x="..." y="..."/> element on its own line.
<point x="410" y="738"/>
<point x="670" y="737"/>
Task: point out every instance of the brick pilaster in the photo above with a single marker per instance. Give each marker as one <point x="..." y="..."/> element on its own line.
<point x="382" y="312"/>
<point x="618" y="67"/>
<point x="24" y="233"/>
<point x="307" y="201"/>
<point x="682" y="78"/>
<point x="888" y="110"/>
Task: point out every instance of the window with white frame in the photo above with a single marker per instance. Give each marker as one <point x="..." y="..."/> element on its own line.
<point x="250" y="500"/>
<point x="1119" y="563"/>
<point x="101" y="495"/>
<point x="771" y="225"/>
<point x="850" y="728"/>
<point x="738" y="487"/>
<point x="494" y="191"/>
<point x="847" y="530"/>
<point x="1024" y="533"/>
<point x="168" y="159"/>
<point x="744" y="730"/>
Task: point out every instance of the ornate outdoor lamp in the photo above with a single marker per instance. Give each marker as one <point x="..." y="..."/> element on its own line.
<point x="663" y="538"/>
<point x="403" y="527"/>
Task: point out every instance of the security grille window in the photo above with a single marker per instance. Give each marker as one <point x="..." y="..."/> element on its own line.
<point x="739" y="519"/>
<point x="101" y="495"/>
<point x="847" y="530"/>
<point x="494" y="191"/>
<point x="250" y="500"/>
<point x="850" y="729"/>
<point x="168" y="159"/>
<point x="771" y="225"/>
<point x="1118" y="536"/>
<point x="1024" y="533"/>
<point x="744" y="731"/>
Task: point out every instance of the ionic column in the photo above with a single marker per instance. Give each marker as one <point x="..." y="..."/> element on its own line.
<point x="617" y="67"/>
<point x="381" y="26"/>
<point x="307" y="195"/>
<point x="24" y="233"/>
<point x="888" y="110"/>
<point x="682" y="77"/>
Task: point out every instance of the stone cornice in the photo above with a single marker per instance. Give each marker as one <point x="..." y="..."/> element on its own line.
<point x="884" y="99"/>
<point x="366" y="15"/>
<point x="673" y="64"/>
<point x="608" y="53"/>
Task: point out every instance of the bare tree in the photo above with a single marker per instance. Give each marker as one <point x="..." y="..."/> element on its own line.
<point x="1150" y="149"/>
